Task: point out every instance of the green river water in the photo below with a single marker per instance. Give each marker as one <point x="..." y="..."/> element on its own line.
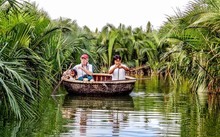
<point x="153" y="109"/>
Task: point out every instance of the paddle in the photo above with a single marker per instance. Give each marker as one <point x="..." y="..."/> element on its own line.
<point x="55" y="89"/>
<point x="118" y="73"/>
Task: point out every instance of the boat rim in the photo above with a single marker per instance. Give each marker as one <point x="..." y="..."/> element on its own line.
<point x="128" y="79"/>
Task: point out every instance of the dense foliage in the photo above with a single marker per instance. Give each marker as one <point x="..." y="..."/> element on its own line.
<point x="34" y="50"/>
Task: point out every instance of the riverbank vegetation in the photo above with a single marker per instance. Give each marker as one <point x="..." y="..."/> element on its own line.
<point x="34" y="51"/>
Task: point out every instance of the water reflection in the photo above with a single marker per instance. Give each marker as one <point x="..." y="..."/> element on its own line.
<point x="213" y="103"/>
<point x="103" y="103"/>
<point x="83" y="103"/>
<point x="153" y="109"/>
<point x="101" y="116"/>
<point x="92" y="116"/>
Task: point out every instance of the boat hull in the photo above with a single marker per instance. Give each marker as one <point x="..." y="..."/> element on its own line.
<point x="119" y="87"/>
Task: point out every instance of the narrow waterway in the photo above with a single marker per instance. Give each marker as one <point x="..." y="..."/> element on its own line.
<point x="153" y="109"/>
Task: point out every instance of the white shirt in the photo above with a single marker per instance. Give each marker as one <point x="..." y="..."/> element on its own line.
<point x="80" y="72"/>
<point x="118" y="74"/>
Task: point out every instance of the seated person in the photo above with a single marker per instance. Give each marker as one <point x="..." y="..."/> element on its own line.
<point x="84" y="69"/>
<point x="70" y="74"/>
<point x="118" y="69"/>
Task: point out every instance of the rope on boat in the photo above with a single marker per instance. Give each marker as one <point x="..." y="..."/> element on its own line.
<point x="105" y="86"/>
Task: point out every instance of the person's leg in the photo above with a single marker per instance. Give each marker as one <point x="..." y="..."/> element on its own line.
<point x="90" y="78"/>
<point x="80" y="78"/>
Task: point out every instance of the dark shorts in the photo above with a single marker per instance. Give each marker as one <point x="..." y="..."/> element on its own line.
<point x="85" y="76"/>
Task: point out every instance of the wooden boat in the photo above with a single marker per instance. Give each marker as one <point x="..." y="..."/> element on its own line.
<point x="102" y="85"/>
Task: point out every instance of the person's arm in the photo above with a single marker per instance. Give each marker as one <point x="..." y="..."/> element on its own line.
<point x="112" y="69"/>
<point x="86" y="71"/>
<point x="124" y="67"/>
<point x="65" y="73"/>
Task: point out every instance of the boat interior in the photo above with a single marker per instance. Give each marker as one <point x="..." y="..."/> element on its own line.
<point x="102" y="77"/>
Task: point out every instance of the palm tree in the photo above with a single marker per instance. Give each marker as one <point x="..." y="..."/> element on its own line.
<point x="26" y="38"/>
<point x="193" y="40"/>
<point x="18" y="94"/>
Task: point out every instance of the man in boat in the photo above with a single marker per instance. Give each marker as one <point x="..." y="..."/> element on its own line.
<point x="84" y="69"/>
<point x="118" y="69"/>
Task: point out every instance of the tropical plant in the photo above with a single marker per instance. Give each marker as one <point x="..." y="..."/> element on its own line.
<point x="194" y="44"/>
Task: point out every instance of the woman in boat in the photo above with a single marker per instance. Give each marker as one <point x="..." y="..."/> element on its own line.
<point x="118" y="69"/>
<point x="70" y="74"/>
<point x="84" y="69"/>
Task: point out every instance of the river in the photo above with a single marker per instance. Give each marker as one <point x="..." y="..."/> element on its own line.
<point x="152" y="109"/>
